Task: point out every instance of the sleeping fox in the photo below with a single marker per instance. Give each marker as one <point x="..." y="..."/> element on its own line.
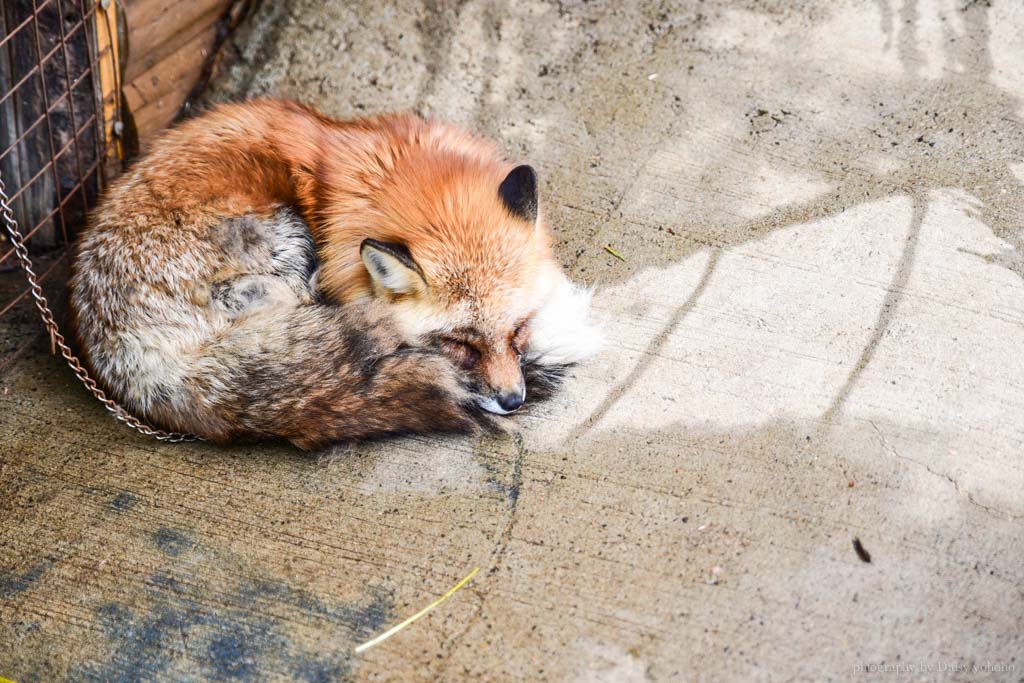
<point x="268" y="272"/>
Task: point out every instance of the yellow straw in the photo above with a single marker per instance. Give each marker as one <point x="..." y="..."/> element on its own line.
<point x="614" y="253"/>
<point x="395" y="629"/>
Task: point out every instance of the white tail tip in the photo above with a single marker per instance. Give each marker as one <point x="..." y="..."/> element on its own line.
<point x="562" y="332"/>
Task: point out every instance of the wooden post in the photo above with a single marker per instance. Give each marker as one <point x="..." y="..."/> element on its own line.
<point x="109" y="55"/>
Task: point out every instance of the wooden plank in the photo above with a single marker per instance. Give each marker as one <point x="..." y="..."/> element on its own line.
<point x="156" y="96"/>
<point x="159" y="29"/>
<point x="166" y="75"/>
<point x="161" y="113"/>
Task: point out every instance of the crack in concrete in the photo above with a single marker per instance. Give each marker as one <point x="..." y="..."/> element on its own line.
<point x="998" y="513"/>
<point x="499" y="552"/>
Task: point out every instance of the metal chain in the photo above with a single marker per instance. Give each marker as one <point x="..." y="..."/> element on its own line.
<point x="57" y="339"/>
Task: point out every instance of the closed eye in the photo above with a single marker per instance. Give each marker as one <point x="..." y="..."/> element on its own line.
<point x="462" y="352"/>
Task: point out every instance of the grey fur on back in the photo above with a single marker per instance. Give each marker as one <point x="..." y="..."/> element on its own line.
<point x="217" y="330"/>
<point x="144" y="323"/>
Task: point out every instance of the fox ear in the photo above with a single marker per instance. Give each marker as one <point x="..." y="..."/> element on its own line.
<point x="391" y="267"/>
<point x="519" y="193"/>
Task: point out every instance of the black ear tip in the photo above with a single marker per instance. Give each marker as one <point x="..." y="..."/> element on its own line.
<point x="368" y="242"/>
<point x="524" y="174"/>
<point x="519" y="192"/>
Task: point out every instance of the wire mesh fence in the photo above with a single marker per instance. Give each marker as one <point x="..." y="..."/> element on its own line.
<point x="58" y="109"/>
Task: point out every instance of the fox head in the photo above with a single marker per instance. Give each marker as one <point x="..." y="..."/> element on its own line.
<point x="475" y="296"/>
<point x="435" y="222"/>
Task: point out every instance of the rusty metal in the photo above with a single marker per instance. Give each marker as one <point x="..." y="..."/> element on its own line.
<point x="86" y="140"/>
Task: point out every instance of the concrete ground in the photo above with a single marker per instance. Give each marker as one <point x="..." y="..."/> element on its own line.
<point x="814" y="335"/>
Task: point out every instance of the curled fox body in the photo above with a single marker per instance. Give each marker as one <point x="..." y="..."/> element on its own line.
<point x="267" y="272"/>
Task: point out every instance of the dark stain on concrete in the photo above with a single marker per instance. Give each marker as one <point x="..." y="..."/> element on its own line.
<point x="166" y="582"/>
<point x="12" y="583"/>
<point x="320" y="672"/>
<point x="171" y="541"/>
<point x="123" y="502"/>
<point x="234" y="654"/>
<point x="363" y="619"/>
<point x="139" y="653"/>
<point x="242" y="635"/>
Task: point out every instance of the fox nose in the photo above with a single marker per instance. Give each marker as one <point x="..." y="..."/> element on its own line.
<point x="511" y="402"/>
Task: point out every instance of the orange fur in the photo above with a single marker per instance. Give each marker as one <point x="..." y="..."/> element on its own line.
<point x="193" y="287"/>
<point x="397" y="179"/>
